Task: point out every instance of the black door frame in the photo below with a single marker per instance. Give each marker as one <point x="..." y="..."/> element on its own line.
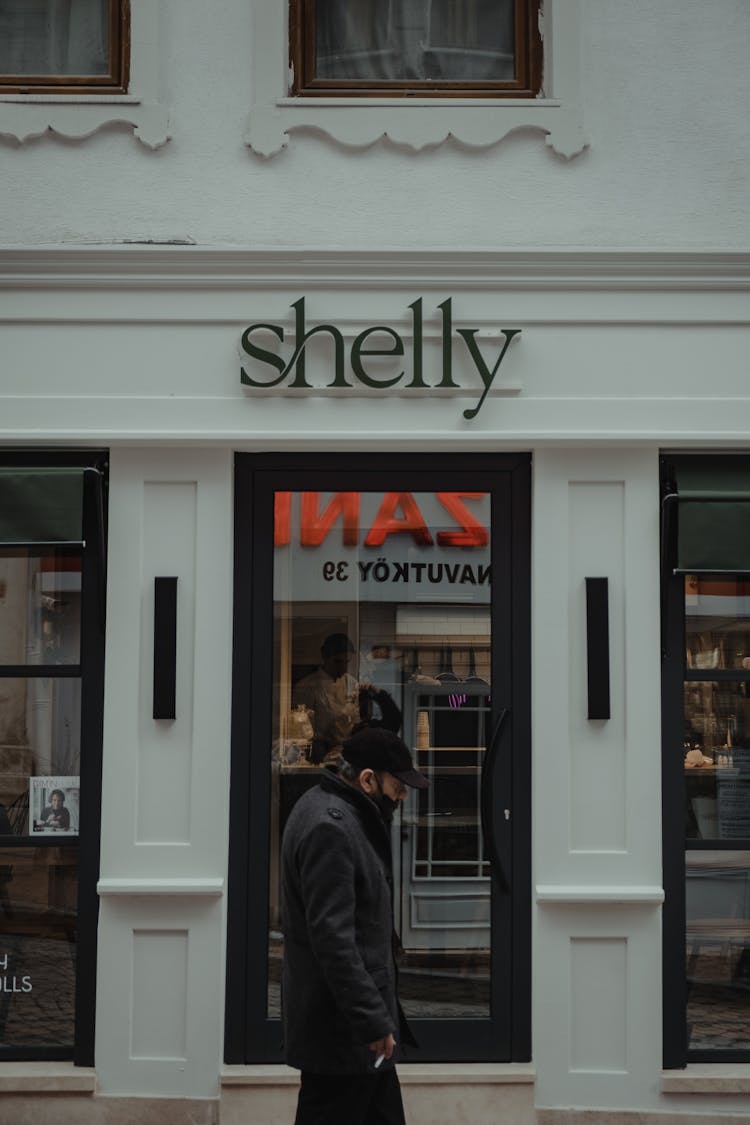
<point x="506" y="1035"/>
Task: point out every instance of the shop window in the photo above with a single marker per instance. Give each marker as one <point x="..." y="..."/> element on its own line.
<point x="66" y="46"/>
<point x="420" y="47"/>
<point x="707" y="758"/>
<point x="66" y="67"/>
<point x="51" y="656"/>
<point x="417" y="71"/>
<point x="392" y="591"/>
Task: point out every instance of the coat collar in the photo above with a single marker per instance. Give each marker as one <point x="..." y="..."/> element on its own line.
<point x="367" y="813"/>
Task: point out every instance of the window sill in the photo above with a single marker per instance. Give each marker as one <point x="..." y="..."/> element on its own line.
<point x="46" y="1077"/>
<point x="708" y="1078"/>
<point x="25" y="116"/>
<point x="409" y="1074"/>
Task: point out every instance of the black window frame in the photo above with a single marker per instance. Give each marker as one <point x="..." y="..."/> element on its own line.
<point x="249" y="1036"/>
<point x="677" y="1053"/>
<point x="94" y="468"/>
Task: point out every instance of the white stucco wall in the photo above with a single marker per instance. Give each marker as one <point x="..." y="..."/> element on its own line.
<point x="665" y="91"/>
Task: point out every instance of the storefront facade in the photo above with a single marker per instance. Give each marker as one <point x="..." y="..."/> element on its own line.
<point x="386" y="360"/>
<point x="459" y="463"/>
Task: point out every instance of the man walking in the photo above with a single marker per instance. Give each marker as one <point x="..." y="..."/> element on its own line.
<point x="342" y="1019"/>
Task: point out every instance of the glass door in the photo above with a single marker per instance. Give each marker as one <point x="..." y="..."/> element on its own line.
<point x="399" y="597"/>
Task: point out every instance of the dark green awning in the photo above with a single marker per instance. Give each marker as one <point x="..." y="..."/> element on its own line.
<point x="41" y="506"/>
<point x="712" y="502"/>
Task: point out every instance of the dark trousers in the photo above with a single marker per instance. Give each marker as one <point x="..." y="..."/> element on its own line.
<point x="350" y="1099"/>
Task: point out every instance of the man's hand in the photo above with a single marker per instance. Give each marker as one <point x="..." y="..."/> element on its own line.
<point x="383" y="1047"/>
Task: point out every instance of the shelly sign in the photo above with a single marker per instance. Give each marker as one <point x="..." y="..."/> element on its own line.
<point x="378" y="358"/>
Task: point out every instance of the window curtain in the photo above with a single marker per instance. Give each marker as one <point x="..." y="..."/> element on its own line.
<point x="54" y="37"/>
<point x="415" y="40"/>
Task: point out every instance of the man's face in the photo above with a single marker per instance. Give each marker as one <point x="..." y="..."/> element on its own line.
<point x="337" y="664"/>
<point x="392" y="787"/>
<point x="56" y="802"/>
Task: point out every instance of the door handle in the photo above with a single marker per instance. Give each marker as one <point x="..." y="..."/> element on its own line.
<point x="485" y="802"/>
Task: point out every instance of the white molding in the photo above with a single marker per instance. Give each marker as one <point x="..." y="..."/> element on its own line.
<point x="26" y="116"/>
<point x="161" y="268"/>
<point x="210" y="888"/>
<point x="593" y="895"/>
<point x="417" y="123"/>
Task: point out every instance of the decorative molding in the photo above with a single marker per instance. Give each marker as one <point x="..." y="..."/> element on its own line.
<point x="559" y="894"/>
<point x="418" y="123"/>
<point x="169" y="267"/>
<point x="209" y="888"/>
<point x="27" y="116"/>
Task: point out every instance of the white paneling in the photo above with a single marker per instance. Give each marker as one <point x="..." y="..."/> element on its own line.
<point x="598" y="1004"/>
<point x="165" y="750"/>
<point x="596" y="784"/>
<point x="596" y="533"/>
<point x="158" y="1027"/>
<point x="165" y="790"/>
<point x="170" y="514"/>
<point x="159" y="985"/>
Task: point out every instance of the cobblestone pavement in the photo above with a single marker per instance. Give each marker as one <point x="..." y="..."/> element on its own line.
<point x="38" y="991"/>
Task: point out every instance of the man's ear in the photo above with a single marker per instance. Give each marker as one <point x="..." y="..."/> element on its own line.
<point x="368" y="781"/>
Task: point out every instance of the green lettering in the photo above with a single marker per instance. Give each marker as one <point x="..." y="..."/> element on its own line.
<point x="262" y="355"/>
<point x="358" y="351"/>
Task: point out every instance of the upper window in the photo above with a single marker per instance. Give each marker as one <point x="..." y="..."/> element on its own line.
<point x="418" y="47"/>
<point x="416" y="72"/>
<point x="63" y="46"/>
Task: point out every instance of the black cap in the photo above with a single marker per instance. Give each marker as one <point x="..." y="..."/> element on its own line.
<point x="376" y="748"/>
<point x="336" y="644"/>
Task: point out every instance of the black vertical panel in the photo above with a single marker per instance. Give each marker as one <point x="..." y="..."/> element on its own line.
<point x="241" y="864"/>
<point x="597" y="647"/>
<point x="92" y="722"/>
<point x="165" y="648"/>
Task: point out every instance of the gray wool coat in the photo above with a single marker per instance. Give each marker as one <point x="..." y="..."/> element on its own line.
<point x="339" y="976"/>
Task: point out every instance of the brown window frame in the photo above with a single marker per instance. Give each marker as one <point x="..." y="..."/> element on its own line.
<point x="527" y="52"/>
<point x="115" y="82"/>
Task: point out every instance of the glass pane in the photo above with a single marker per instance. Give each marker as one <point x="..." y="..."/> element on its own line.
<point x="415" y="40"/>
<point x="40" y="607"/>
<point x="38" y="895"/>
<point x="716" y="751"/>
<point x="54" y="37"/>
<point x="717" y="623"/>
<point x="40" y="722"/>
<point x="718" y="949"/>
<point x="382" y="613"/>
